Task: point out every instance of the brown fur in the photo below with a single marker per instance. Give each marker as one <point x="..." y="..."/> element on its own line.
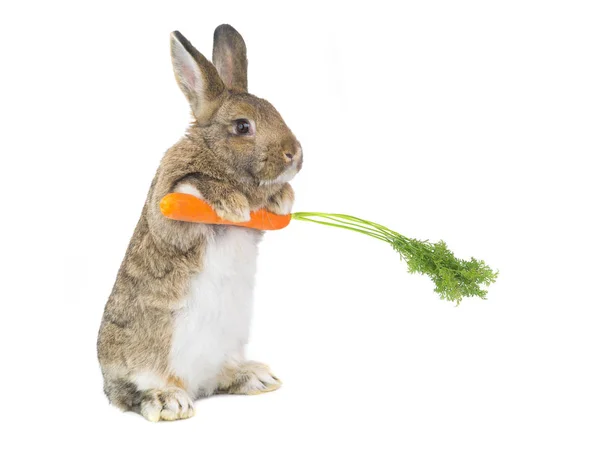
<point x="176" y="382"/>
<point x="232" y="172"/>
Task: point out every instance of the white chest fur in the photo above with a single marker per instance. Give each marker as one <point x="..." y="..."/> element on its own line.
<point x="215" y="319"/>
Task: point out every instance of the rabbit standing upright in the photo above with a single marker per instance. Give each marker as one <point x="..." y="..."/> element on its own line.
<point x="177" y="320"/>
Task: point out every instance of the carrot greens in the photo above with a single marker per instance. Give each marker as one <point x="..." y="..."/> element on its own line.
<point x="453" y="278"/>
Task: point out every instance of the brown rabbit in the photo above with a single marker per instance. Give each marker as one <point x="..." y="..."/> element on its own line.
<point x="176" y="323"/>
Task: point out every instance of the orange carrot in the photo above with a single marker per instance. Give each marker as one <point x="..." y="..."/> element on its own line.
<point x="184" y="207"/>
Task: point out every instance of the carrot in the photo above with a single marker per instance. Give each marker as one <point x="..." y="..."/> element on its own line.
<point x="454" y="278"/>
<point x="184" y="207"/>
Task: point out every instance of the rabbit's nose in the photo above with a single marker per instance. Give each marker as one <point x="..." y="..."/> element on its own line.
<point x="291" y="152"/>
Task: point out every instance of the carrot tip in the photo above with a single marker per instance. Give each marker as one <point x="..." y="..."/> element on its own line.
<point x="166" y="206"/>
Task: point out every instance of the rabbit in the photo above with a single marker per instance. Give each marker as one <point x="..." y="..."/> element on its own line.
<point x="176" y="323"/>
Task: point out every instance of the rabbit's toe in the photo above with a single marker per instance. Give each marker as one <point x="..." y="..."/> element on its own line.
<point x="281" y="203"/>
<point x="169" y="405"/>
<point x="251" y="378"/>
<point x="234" y="208"/>
<point x="280" y="206"/>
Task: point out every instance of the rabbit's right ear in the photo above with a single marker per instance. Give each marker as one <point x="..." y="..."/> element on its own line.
<point x="198" y="79"/>
<point x="229" y="57"/>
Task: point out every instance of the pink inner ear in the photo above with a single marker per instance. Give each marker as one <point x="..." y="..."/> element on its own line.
<point x="189" y="76"/>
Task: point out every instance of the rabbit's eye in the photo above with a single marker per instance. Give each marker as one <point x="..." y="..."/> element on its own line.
<point x="242" y="126"/>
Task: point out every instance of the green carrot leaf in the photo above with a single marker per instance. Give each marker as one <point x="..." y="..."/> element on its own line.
<point x="453" y="278"/>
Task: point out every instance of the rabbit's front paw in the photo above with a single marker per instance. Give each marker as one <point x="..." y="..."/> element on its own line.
<point x="169" y="404"/>
<point x="234" y="207"/>
<point x="281" y="203"/>
<point x="250" y="378"/>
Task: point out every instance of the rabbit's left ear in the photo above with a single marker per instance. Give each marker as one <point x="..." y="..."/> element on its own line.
<point x="229" y="57"/>
<point x="197" y="78"/>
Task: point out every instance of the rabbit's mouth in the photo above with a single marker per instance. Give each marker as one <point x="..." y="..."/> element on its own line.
<point x="289" y="166"/>
<point x="286" y="176"/>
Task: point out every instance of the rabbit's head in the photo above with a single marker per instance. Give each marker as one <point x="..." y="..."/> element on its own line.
<point x="244" y="132"/>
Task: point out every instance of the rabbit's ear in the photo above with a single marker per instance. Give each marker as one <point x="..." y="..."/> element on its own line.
<point x="197" y="78"/>
<point x="229" y="57"/>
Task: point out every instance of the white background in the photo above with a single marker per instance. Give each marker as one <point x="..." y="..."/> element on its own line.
<point x="475" y="122"/>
